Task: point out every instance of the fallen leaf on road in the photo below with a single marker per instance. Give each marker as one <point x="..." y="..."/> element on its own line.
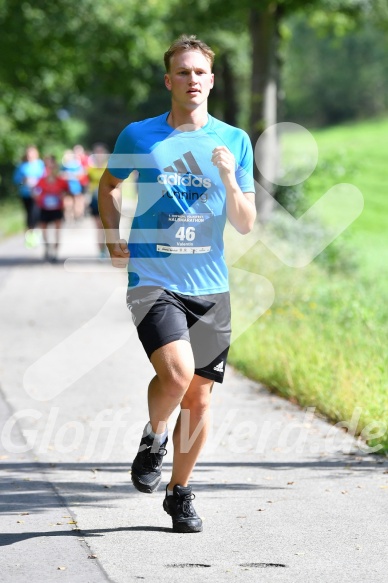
<point x="24" y="513"/>
<point x="290" y="483"/>
<point x="72" y="522"/>
<point x="20" y="521"/>
<point x="344" y="492"/>
<point x="61" y="568"/>
<point x="92" y="556"/>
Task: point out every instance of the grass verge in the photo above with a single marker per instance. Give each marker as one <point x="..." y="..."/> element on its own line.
<point x="323" y="341"/>
<point x="11" y="217"/>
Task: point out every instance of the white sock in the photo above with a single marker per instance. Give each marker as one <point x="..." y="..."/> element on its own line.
<point x="158" y="437"/>
<point x="170" y="492"/>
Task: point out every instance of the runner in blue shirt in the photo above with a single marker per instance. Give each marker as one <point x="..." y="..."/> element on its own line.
<point x="193" y="172"/>
<point x="26" y="176"/>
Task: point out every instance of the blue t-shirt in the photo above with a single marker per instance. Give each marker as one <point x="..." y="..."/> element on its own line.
<point x="72" y="170"/>
<point x="176" y="239"/>
<point x="26" y="176"/>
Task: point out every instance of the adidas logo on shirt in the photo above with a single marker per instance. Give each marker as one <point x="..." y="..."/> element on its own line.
<point x="219" y="367"/>
<point x="184" y="172"/>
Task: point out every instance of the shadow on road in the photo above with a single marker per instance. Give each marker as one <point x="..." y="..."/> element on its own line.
<point x="31" y="487"/>
<point x="10" y="538"/>
<point x="25" y="261"/>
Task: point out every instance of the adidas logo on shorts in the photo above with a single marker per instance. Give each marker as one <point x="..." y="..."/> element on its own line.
<point x="219" y="367"/>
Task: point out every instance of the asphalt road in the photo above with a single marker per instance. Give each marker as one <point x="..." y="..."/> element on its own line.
<point x="284" y="495"/>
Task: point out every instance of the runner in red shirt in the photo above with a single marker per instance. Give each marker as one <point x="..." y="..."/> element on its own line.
<point x="50" y="192"/>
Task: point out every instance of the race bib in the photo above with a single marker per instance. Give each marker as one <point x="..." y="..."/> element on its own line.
<point x="50" y="202"/>
<point x="185" y="233"/>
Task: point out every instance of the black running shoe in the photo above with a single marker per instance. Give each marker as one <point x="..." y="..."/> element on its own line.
<point x="181" y="510"/>
<point x="147" y="465"/>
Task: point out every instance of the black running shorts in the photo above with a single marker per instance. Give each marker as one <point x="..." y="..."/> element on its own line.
<point x="162" y="316"/>
<point x="49" y="216"/>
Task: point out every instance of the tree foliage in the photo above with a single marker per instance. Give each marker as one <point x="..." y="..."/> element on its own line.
<point x="334" y="77"/>
<point x="64" y="56"/>
<point x="93" y="66"/>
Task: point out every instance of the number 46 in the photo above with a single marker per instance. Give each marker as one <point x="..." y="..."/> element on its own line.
<point x="188" y="233"/>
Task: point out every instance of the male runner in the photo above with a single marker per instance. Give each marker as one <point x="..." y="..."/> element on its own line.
<point x="193" y="171"/>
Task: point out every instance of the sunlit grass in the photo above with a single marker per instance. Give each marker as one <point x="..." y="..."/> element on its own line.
<point x="323" y="342"/>
<point x="11" y="217"/>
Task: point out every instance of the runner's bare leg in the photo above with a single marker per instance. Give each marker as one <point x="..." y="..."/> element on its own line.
<point x="191" y="430"/>
<point x="174" y="367"/>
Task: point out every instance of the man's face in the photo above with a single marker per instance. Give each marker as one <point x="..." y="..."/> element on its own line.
<point x="190" y="78"/>
<point x="32" y="154"/>
<point x="51" y="168"/>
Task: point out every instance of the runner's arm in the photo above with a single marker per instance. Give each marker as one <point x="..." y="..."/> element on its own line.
<point x="240" y="206"/>
<point x="109" y="206"/>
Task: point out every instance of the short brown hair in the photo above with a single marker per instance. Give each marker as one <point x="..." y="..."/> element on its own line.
<point x="188" y="43"/>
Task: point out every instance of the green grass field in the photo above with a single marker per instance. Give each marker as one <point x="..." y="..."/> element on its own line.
<point x="11" y="217"/>
<point x="323" y="342"/>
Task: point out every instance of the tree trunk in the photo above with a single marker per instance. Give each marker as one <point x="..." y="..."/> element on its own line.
<point x="223" y="97"/>
<point x="264" y="88"/>
<point x="230" y="93"/>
